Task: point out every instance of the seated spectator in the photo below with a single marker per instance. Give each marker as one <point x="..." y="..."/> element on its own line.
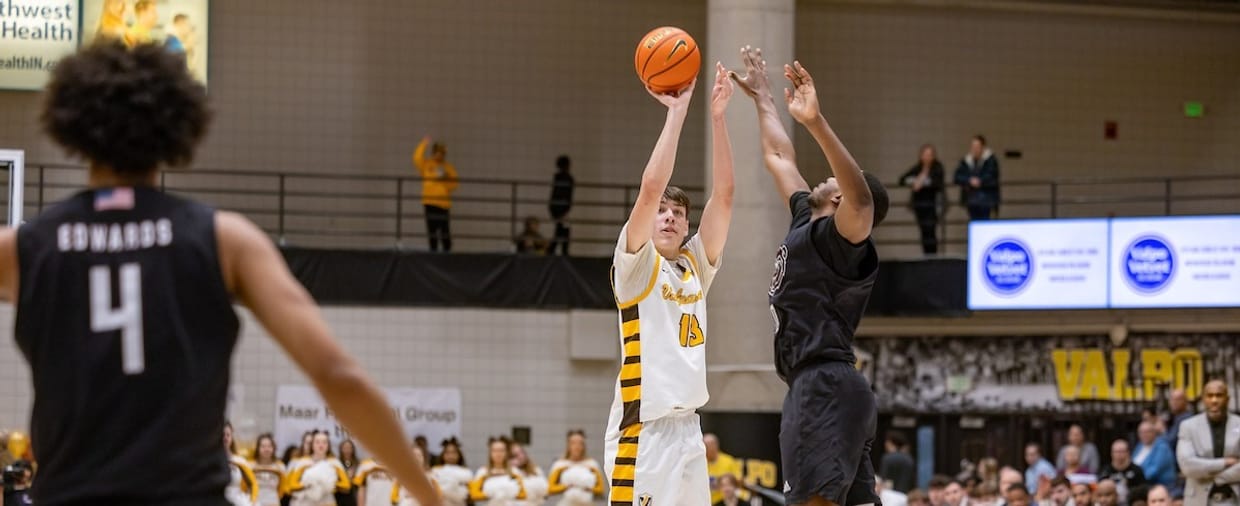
<point x="1121" y="472"/>
<point x="938" y="484"/>
<point x="530" y="240"/>
<point x="1009" y="476"/>
<point x="1060" y="493"/>
<point x="986" y="494"/>
<point x="1089" y="457"/>
<point x="728" y="491"/>
<point x="917" y="497"/>
<point x="1073" y="469"/>
<point x="1155" y="456"/>
<point x="1016" y="495"/>
<point x="887" y="496"/>
<point x="1105" y="494"/>
<point x="954" y="495"/>
<point x="897" y="465"/>
<point x="1082" y="494"/>
<point x="1038" y="469"/>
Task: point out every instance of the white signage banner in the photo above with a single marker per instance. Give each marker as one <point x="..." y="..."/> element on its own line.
<point x="431" y="412"/>
<point x="1190" y="261"/>
<point x="1037" y="264"/>
<point x="34" y="35"/>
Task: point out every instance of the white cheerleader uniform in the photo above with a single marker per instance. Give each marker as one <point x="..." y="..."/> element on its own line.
<point x="580" y="481"/>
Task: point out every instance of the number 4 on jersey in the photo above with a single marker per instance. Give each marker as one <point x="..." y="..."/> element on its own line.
<point x="691" y="331"/>
<point x="127" y="318"/>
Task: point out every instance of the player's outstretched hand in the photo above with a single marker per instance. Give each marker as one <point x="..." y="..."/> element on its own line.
<point x="675" y="99"/>
<point x="803" y="98"/>
<point x="722" y="92"/>
<point x="754" y="83"/>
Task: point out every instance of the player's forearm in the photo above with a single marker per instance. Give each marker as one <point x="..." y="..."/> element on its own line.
<point x="658" y="170"/>
<point x="843" y="166"/>
<point x="363" y="410"/>
<point x="775" y="140"/>
<point x="723" y="180"/>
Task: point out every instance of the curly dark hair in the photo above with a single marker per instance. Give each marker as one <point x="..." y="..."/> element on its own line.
<point x="130" y="110"/>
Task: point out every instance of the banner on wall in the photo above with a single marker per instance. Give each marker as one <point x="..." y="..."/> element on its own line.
<point x="1040" y="374"/>
<point x="34" y="35"/>
<point x="431" y="412"/>
<point x="1162" y="262"/>
<point x="178" y="25"/>
<point x="1188" y="261"/>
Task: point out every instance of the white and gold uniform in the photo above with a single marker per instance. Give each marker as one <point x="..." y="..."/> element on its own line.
<point x="315" y="483"/>
<point x="579" y="481"/>
<point x="497" y="488"/>
<point x="453" y="483"/>
<point x="242" y="487"/>
<point x="654" y="449"/>
<point x="271" y="484"/>
<point x="535" y="484"/>
<point x="375" y="482"/>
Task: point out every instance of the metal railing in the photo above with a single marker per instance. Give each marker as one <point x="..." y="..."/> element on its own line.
<point x="374" y="211"/>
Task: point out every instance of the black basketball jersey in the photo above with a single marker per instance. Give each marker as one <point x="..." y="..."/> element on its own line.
<point x="128" y="326"/>
<point x="819" y="291"/>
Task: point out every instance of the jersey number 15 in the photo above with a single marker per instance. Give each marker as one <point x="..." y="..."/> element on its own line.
<point x="127" y="318"/>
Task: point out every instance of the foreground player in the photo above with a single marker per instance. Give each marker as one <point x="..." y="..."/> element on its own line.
<point x="823" y="276"/>
<point x="654" y="451"/>
<point x="124" y="302"/>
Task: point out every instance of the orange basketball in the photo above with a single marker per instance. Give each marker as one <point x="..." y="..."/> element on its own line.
<point x="667" y="59"/>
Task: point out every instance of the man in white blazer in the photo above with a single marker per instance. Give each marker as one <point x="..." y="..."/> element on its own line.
<point x="1208" y="451"/>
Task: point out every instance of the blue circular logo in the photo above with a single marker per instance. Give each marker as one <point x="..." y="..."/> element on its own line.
<point x="1149" y="264"/>
<point x="1007" y="267"/>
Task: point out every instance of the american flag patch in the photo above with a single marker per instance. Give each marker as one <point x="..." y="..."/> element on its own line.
<point x="114" y="199"/>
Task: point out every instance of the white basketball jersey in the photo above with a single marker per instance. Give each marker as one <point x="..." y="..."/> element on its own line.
<point x="378" y="484"/>
<point x="662" y="330"/>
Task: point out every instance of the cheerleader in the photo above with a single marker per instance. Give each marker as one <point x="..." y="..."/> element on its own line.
<point x="348" y="458"/>
<point x="242" y="487"/>
<point x="577" y="476"/>
<point x="451" y="475"/>
<point x="531" y="475"/>
<point x="315" y="479"/>
<point x="374" y="484"/>
<point x="269" y="471"/>
<point x="496" y="482"/>
<point x="400" y="496"/>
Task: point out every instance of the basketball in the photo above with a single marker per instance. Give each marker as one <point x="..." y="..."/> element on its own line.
<point x="667" y="59"/>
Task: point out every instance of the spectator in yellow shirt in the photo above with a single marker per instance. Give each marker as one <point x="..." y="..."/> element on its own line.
<point x="717" y="465"/>
<point x="438" y="183"/>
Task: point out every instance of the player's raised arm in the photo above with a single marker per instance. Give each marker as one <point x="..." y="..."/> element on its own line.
<point x="718" y="213"/>
<point x="658" y="169"/>
<point x="855" y="216"/>
<point x="777" y="152"/>
<point x="258" y="276"/>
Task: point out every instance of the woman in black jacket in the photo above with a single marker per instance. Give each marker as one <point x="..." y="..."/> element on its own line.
<point x="926" y="180"/>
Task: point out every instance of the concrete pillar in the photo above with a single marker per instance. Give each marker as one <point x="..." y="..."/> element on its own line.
<point x="740" y="343"/>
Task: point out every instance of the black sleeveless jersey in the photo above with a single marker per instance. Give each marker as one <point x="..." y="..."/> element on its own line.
<point x="128" y="326"/>
<point x="819" y="291"/>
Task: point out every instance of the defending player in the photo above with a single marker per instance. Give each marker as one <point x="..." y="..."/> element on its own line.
<point x="825" y="270"/>
<point x="124" y="302"/>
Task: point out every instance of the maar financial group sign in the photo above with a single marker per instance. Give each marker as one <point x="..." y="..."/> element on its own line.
<point x="1189" y="261"/>
<point x="431" y="412"/>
